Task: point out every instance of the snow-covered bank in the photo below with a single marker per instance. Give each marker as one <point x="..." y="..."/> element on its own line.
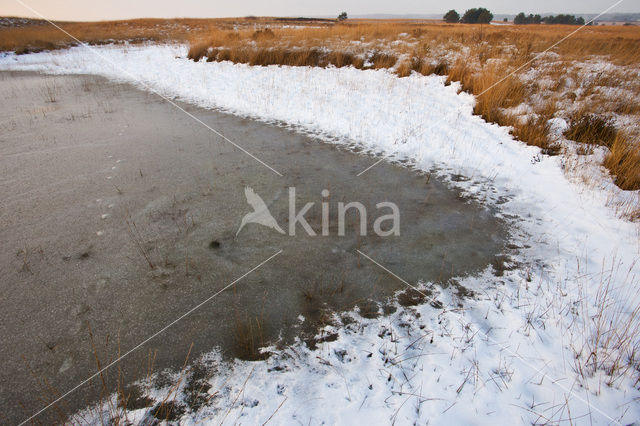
<point x="508" y="355"/>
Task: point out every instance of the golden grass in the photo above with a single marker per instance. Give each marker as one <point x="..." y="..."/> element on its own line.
<point x="624" y="162"/>
<point x="592" y="129"/>
<point x="477" y="56"/>
<point x="41" y="35"/>
<point x="619" y="43"/>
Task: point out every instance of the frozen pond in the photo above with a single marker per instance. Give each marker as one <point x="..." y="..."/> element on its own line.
<point x="119" y="213"/>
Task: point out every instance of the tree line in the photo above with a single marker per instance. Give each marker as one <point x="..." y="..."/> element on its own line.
<point x="481" y="15"/>
<point x="522" y="19"/>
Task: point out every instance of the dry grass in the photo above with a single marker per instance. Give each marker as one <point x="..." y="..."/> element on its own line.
<point x="624" y="163"/>
<point x="479" y="57"/>
<point x="611" y="328"/>
<point x="590" y="128"/>
<point x="40" y="35"/>
<point x="620" y="43"/>
<point x="248" y="338"/>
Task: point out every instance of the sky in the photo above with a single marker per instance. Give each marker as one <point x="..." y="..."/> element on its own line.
<point x="125" y="9"/>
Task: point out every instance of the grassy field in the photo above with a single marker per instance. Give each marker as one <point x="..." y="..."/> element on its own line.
<point x="589" y="81"/>
<point x="33" y="35"/>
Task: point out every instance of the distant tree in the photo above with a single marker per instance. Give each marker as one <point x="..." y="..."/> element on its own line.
<point x="477" y="16"/>
<point x="522" y="19"/>
<point x="505" y="19"/>
<point x="485" y="16"/>
<point x="564" y="19"/>
<point x="451" y="17"/>
<point x="470" y="16"/>
<point x="342" y="16"/>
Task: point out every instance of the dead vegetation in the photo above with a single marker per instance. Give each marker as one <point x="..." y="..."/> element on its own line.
<point x="624" y="163"/>
<point x="38" y="35"/>
<point x="592" y="129"/>
<point x="553" y="84"/>
<point x="248" y="338"/>
<point x="609" y="340"/>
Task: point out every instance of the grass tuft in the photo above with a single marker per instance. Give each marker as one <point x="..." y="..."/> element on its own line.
<point x="624" y="163"/>
<point x="592" y="129"/>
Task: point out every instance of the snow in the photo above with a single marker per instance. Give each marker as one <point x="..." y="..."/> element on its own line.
<point x="592" y="84"/>
<point x="510" y="355"/>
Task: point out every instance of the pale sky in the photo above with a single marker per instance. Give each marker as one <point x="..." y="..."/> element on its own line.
<point x="124" y="9"/>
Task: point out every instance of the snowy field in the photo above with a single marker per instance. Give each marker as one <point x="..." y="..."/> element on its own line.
<point x="548" y="337"/>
